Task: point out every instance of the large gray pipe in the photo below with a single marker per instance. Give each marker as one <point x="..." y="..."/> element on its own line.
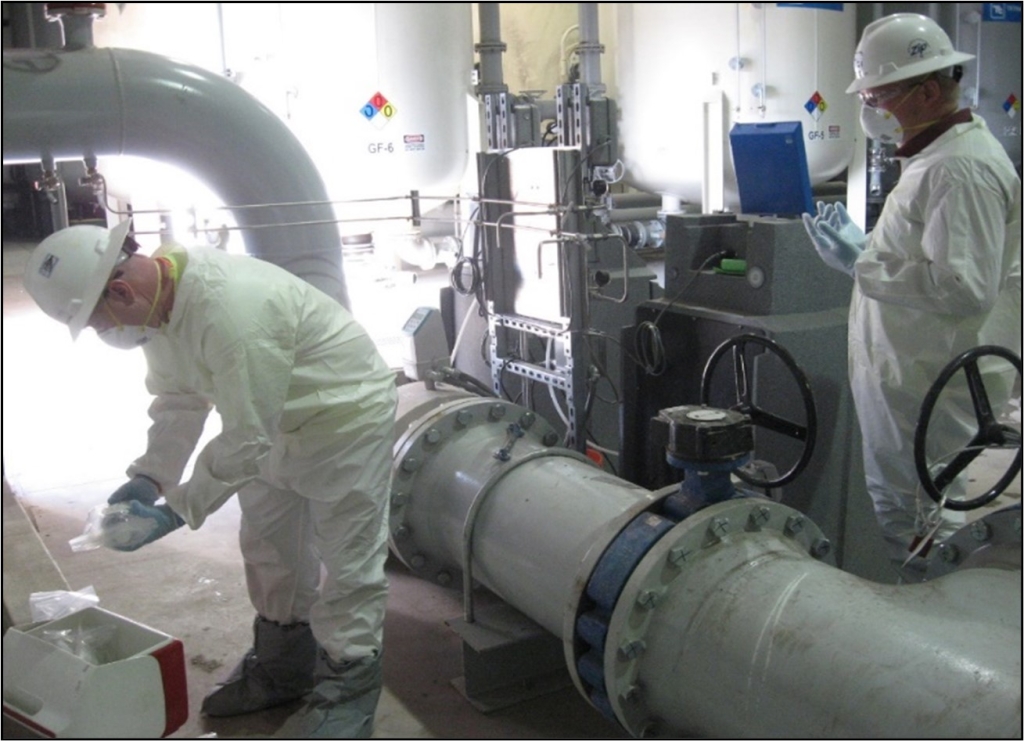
<point x="729" y="625"/>
<point x="757" y="639"/>
<point x="445" y="431"/>
<point x="69" y="105"/>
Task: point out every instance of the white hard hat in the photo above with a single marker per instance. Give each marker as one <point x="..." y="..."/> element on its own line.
<point x="900" y="46"/>
<point x="68" y="270"/>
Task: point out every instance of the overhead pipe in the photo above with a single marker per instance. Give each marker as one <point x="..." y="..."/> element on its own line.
<point x="72" y="105"/>
<point x="729" y="622"/>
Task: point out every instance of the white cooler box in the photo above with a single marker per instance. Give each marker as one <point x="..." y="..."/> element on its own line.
<point x="94" y="674"/>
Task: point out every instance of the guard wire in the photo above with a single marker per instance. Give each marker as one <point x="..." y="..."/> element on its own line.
<point x="649" y="346"/>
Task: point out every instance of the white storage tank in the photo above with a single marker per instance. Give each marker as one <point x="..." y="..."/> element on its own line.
<point x="753" y="62"/>
<point x="377" y="93"/>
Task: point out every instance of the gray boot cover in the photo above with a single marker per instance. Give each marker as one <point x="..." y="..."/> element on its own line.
<point x="277" y="669"/>
<point x="343" y="702"/>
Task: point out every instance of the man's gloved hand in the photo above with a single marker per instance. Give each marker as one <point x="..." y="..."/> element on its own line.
<point x="163" y="519"/>
<point x="839" y="218"/>
<point x="141" y="489"/>
<point x="837" y="239"/>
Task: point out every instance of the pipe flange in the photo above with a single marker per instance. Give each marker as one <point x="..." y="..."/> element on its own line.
<point x="424" y="438"/>
<point x="992" y="540"/>
<point x="692" y="540"/>
<point x="574" y="647"/>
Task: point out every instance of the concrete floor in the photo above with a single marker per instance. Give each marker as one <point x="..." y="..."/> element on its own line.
<point x="76" y="415"/>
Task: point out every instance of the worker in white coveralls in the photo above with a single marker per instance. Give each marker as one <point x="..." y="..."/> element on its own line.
<point x="939" y="274"/>
<point x="307" y="408"/>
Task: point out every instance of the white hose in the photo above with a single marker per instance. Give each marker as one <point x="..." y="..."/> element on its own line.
<point x="462" y="331"/>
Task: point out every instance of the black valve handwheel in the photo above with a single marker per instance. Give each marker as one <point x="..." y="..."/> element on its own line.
<point x="990" y="435"/>
<point x="805" y="433"/>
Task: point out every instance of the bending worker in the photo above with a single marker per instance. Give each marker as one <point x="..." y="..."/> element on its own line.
<point x="307" y="408"/>
<point x="939" y="274"/>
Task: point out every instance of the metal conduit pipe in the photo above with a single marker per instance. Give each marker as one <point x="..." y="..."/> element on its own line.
<point x="107" y="102"/>
<point x="726" y="623"/>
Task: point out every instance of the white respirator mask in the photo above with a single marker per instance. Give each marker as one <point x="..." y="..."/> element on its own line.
<point x="881" y="125"/>
<point x="129" y="337"/>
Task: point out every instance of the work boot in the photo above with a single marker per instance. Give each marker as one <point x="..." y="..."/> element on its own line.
<point x="343" y="702"/>
<point x="277" y="669"/>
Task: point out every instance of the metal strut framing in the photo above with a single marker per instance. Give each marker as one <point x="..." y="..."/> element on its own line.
<point x="515" y="244"/>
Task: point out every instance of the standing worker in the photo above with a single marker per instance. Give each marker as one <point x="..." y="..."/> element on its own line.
<point x="939" y="274"/>
<point x="307" y="407"/>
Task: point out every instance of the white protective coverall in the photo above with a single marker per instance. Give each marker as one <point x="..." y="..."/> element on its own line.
<point x="941" y="274"/>
<point x="307" y="407"/>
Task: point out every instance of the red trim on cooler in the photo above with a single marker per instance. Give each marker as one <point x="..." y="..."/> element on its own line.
<point x="29" y="723"/>
<point x="171" y="659"/>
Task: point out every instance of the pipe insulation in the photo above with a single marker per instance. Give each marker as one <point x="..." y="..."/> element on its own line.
<point x="69" y="105"/>
<point x="726" y="623"/>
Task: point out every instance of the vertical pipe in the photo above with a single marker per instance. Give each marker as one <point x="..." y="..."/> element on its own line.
<point x="739" y="62"/>
<point x="414" y="197"/>
<point x="52" y="185"/>
<point x="222" y="36"/>
<point x="763" y="88"/>
<point x="77" y="31"/>
<point x="590" y="48"/>
<point x="490" y="48"/>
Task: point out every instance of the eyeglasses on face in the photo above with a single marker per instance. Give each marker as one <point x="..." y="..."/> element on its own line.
<point x="874" y="98"/>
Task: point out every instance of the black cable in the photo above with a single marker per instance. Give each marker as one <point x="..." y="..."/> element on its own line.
<point x="468" y="383"/>
<point x="456" y="276"/>
<point x="603" y="373"/>
<point x="501" y="383"/>
<point x="648" y="343"/>
<point x="484" y="354"/>
<point x="623" y="348"/>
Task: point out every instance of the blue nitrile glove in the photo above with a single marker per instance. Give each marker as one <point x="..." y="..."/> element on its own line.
<point x="164" y="521"/>
<point x="839" y="219"/>
<point x="141" y="489"/>
<point x="837" y="239"/>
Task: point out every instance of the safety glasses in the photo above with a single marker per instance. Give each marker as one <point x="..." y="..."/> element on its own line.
<point x="875" y="98"/>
